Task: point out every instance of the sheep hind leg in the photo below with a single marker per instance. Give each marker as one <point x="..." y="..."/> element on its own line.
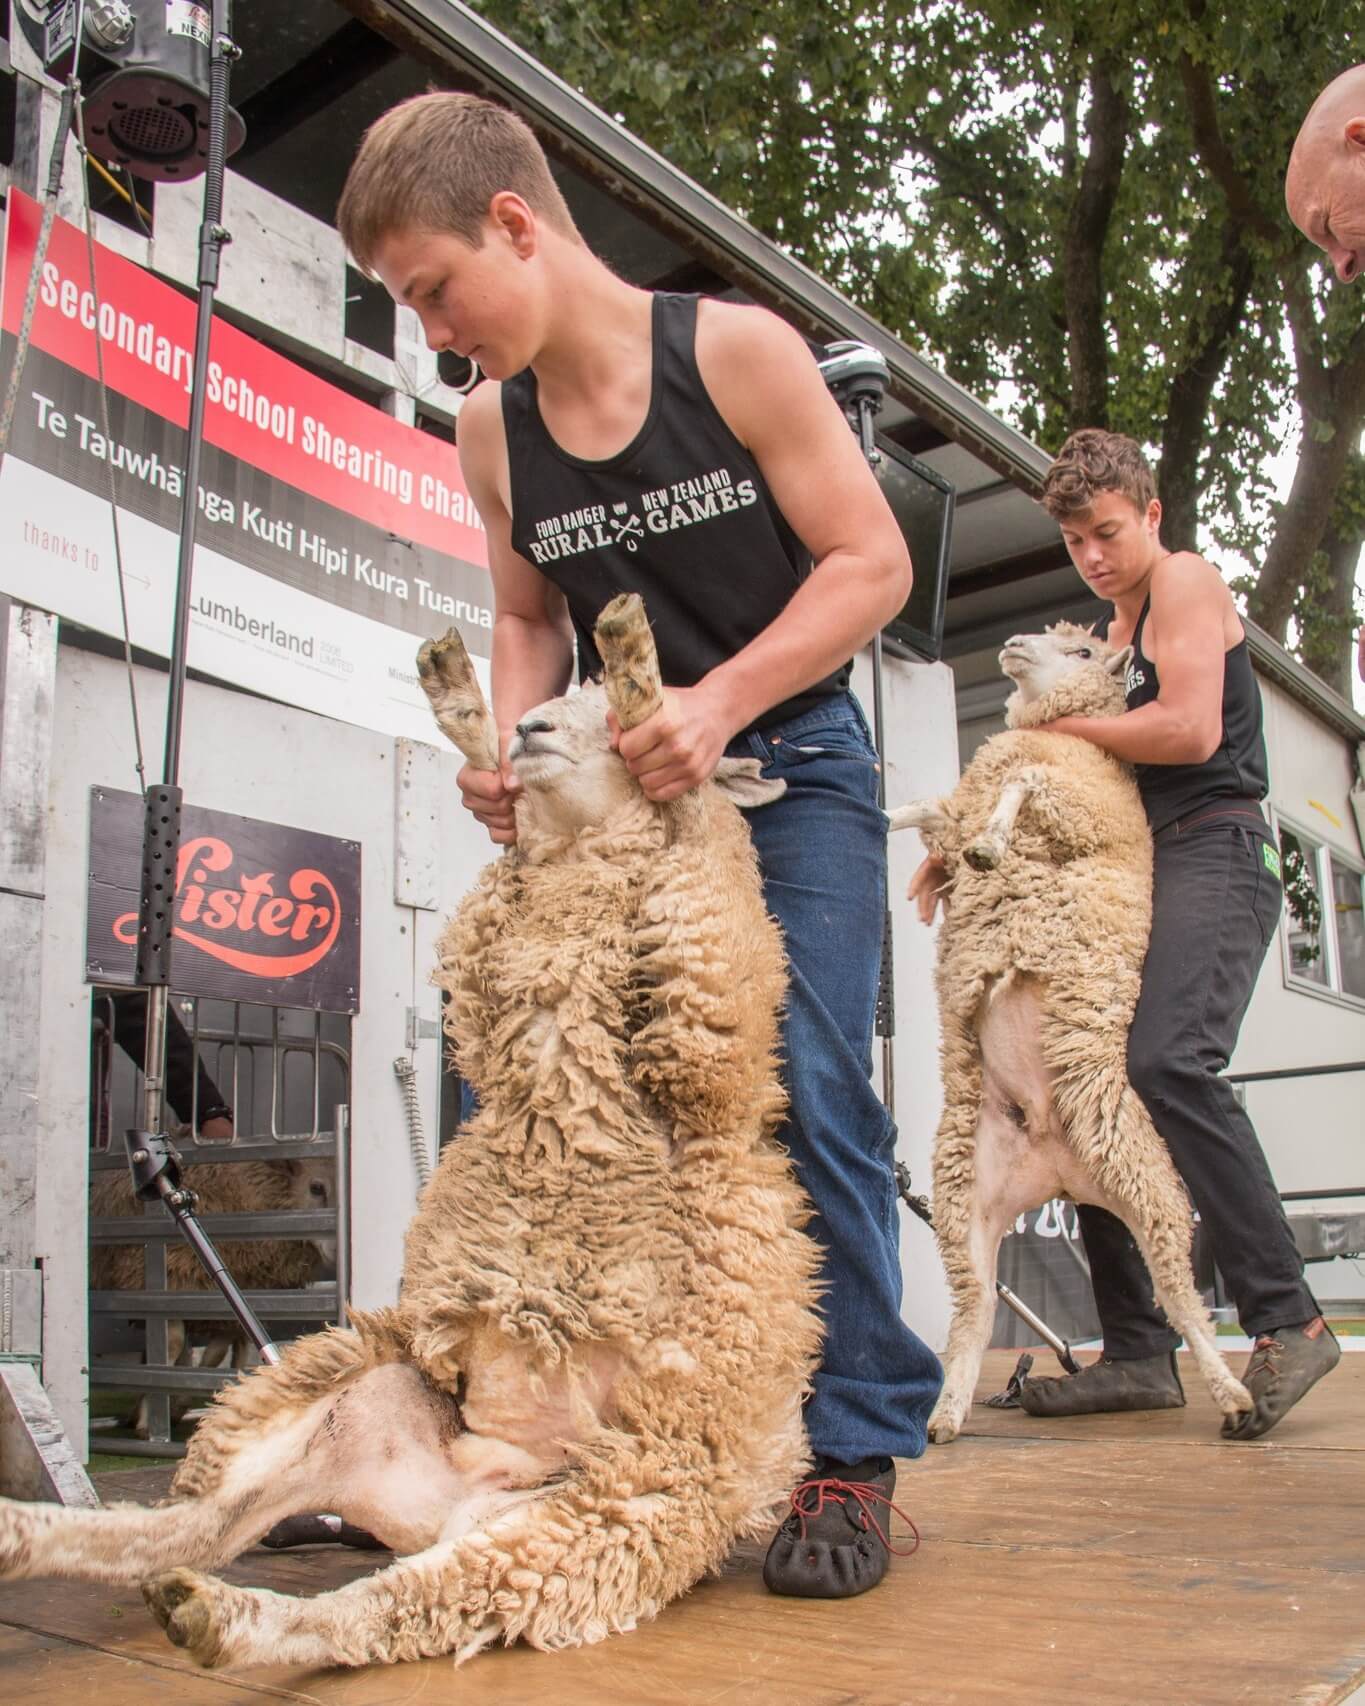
<point x="1158" y="1216"/>
<point x="971" y="1278"/>
<point x="553" y="1565"/>
<point x="1014" y="1168"/>
<point x="367" y="1441"/>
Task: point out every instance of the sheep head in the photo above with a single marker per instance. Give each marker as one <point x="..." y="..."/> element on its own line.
<point x="1065" y="671"/>
<point x="312" y="1187"/>
<point x="561" y="751"/>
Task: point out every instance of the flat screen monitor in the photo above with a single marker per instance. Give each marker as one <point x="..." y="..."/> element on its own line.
<point x="922" y="502"/>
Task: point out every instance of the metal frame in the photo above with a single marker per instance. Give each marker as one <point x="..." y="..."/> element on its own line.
<point x="157" y="1377"/>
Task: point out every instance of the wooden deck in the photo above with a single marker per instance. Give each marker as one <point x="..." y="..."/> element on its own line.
<point x="1126" y="1560"/>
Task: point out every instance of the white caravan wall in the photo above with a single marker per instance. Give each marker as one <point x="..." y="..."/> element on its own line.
<point x="921" y="743"/>
<point x="1310" y="1128"/>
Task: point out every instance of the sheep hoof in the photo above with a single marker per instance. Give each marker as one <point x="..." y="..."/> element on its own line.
<point x="944" y="1426"/>
<point x="625" y="643"/>
<point x="189" y="1608"/>
<point x="445" y="663"/>
<point x="1234" y="1399"/>
<point x="982" y="855"/>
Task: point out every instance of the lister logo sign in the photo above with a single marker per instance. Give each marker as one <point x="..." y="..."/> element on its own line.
<point x="262" y="912"/>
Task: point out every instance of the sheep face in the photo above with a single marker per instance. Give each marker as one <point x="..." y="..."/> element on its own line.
<point x="562" y="755"/>
<point x="1037" y="663"/>
<point x="573" y="778"/>
<point x="311" y="1186"/>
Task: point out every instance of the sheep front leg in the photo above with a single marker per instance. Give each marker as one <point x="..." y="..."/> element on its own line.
<point x="986" y="852"/>
<point x="446" y="673"/>
<point x="927" y="816"/>
<point x="630" y="663"/>
<point x="562" y="1567"/>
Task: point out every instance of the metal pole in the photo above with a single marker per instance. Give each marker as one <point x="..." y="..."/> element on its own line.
<point x="154" y="1163"/>
<point x="341" y="1125"/>
<point x="212" y="238"/>
<point x="161" y="829"/>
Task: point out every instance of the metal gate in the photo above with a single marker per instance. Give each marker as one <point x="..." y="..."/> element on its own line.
<point x="285" y="1073"/>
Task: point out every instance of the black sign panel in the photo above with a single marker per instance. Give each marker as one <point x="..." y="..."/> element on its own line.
<point x="262" y="912"/>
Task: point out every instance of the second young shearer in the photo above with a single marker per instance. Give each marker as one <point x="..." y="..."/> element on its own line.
<point x="688" y="450"/>
<point x="1192" y="732"/>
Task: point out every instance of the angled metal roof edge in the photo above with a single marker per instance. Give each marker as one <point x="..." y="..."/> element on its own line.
<point x="1271" y="658"/>
<point x="616" y="154"/>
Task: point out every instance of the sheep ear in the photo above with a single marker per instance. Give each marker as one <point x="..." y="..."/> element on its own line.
<point x="1118" y="664"/>
<point x="741" y="781"/>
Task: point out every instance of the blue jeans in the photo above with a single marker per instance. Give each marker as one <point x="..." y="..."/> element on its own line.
<point x="822" y="851"/>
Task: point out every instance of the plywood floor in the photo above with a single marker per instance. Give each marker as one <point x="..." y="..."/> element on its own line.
<point x="1132" y="1560"/>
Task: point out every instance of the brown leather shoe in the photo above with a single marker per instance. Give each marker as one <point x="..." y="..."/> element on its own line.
<point x="1282" y="1366"/>
<point x="1111" y="1383"/>
<point x="834" y="1544"/>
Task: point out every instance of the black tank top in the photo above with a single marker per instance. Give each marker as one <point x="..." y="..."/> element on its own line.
<point x="682" y="516"/>
<point x="1237" y="771"/>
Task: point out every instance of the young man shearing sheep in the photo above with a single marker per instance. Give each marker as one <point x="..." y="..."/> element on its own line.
<point x="1192" y="731"/>
<point x="688" y="450"/>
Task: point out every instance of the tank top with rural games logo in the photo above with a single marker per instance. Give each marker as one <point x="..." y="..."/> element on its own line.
<point x="1236" y="771"/>
<point x="682" y="516"/>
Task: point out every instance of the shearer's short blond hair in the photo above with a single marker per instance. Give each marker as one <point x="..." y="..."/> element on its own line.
<point x="1094" y="461"/>
<point x="434" y="163"/>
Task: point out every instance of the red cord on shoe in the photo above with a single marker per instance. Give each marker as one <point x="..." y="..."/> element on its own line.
<point x="829" y="1488"/>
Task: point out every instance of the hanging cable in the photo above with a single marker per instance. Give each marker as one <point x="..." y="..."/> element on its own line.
<point x="104" y="427"/>
<point x="417" y="1138"/>
<point x="54" y="187"/>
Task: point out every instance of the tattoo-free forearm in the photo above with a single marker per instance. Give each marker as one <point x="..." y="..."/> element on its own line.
<point x="832" y="615"/>
<point x="1151" y="734"/>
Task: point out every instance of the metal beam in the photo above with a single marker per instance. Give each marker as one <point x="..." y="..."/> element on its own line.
<point x="331" y="70"/>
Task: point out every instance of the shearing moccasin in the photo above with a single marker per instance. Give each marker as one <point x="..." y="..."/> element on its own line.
<point x="835" y="1544"/>
<point x="1111" y="1383"/>
<point x="1281" y="1368"/>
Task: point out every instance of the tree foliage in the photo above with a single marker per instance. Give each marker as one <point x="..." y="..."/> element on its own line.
<point x="1076" y="210"/>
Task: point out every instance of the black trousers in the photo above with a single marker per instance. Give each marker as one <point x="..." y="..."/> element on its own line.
<point x="1216" y="903"/>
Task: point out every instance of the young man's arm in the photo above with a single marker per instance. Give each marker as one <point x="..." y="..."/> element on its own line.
<point x="532" y="636"/>
<point x="761" y="377"/>
<point x="1184" y="723"/>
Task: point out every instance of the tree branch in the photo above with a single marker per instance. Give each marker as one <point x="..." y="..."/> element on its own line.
<point x="1087" y="228"/>
<point x="1217" y="156"/>
<point x="1191" y="390"/>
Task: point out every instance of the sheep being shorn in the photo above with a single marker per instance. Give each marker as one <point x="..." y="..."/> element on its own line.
<point x="276" y="1264"/>
<point x="1040" y="956"/>
<point x="592" y="1383"/>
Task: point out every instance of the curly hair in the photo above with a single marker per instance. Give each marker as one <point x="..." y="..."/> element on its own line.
<point x="1094" y="461"/>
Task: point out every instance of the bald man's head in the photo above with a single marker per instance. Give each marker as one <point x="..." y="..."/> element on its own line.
<point x="1324" y="188"/>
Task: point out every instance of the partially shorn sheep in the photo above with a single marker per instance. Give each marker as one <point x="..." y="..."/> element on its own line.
<point x="1040" y="954"/>
<point x="592" y="1383"/>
